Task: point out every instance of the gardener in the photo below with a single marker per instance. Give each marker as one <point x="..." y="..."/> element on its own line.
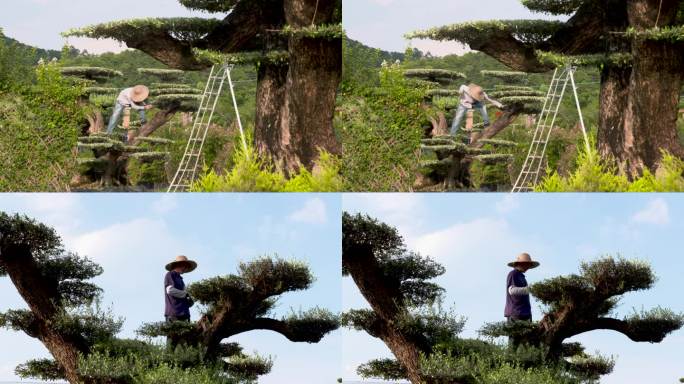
<point x="130" y="97"/>
<point x="518" y="306"/>
<point x="472" y="97"/>
<point x="178" y="301"/>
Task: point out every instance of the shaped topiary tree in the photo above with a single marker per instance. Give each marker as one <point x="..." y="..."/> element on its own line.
<point x="392" y="281"/>
<point x="447" y="161"/>
<point x="637" y="46"/>
<point x="295" y="97"/>
<point x="424" y="339"/>
<point x="113" y="160"/>
<point x="586" y="302"/>
<point x="95" y="77"/>
<point x="81" y="338"/>
<point x="168" y="98"/>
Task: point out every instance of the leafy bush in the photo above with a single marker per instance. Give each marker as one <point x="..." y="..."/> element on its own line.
<point x="492" y="369"/>
<point x="594" y="174"/>
<point x="157" y="365"/>
<point x="381" y="130"/>
<point x="147" y="172"/>
<point x="252" y="173"/>
<point x="39" y="128"/>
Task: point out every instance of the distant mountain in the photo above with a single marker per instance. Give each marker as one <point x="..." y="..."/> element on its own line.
<point x="33" y="52"/>
<point x="381" y="55"/>
<point x="361" y="63"/>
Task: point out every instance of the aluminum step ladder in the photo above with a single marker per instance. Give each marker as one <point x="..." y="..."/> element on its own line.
<point x="532" y="167"/>
<point x="187" y="169"/>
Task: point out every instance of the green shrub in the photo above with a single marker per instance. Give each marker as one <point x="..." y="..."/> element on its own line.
<point x="253" y="173"/>
<point x="146" y="172"/>
<point x="594" y="174"/>
<point x="381" y="130"/>
<point x="490" y="368"/>
<point x="39" y="128"/>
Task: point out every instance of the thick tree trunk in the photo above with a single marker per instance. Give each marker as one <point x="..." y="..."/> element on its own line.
<point x="64" y="353"/>
<point x="406" y="353"/>
<point x="160" y="119"/>
<point x="272" y="138"/>
<point x="638" y="110"/>
<point x="651" y="114"/>
<point x="506" y="119"/>
<point x="312" y="80"/>
<point x="96" y="122"/>
<point x="27" y="278"/>
<point x="613" y="138"/>
<point x="367" y="275"/>
<point x="440" y="127"/>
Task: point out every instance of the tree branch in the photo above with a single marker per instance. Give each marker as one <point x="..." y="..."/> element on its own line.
<point x="627" y="328"/>
<point x="283" y="327"/>
<point x="245" y="27"/>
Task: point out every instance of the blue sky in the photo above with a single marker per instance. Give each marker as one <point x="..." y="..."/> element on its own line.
<point x="475" y="235"/>
<point x="378" y="23"/>
<point x="134" y="235"/>
<point x="40" y="22"/>
<point x="383" y="23"/>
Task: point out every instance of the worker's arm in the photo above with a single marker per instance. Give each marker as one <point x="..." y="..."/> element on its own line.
<point x="496" y="103"/>
<point x="175" y="292"/>
<point x="139" y="106"/>
<point x="518" y="291"/>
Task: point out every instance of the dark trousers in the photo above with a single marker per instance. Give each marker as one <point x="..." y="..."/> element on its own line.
<point x="173" y="340"/>
<point x="177" y="318"/>
<point x="511" y="319"/>
<point x="515" y="341"/>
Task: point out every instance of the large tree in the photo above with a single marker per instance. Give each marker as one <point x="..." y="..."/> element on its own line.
<point x="454" y="156"/>
<point x="295" y="96"/>
<point x="424" y="339"/>
<point x="637" y="45"/>
<point x="62" y="314"/>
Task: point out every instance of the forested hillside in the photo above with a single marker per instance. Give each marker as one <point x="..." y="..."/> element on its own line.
<point x="385" y="118"/>
<point x="36" y="96"/>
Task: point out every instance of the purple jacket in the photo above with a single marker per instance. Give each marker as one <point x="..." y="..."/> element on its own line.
<point x="517" y="306"/>
<point x="175" y="307"/>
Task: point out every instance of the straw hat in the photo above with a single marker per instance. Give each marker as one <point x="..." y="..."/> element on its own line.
<point x="182" y="260"/>
<point x="476" y="92"/>
<point x="140" y="93"/>
<point x="524" y="259"/>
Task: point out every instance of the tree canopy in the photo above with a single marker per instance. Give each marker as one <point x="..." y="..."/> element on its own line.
<point x="64" y="314"/>
<point x="635" y="44"/>
<point x="295" y="44"/>
<point x="407" y="315"/>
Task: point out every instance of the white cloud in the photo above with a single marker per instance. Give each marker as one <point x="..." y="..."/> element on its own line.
<point x="656" y="212"/>
<point x="97" y="46"/>
<point x="383" y="3"/>
<point x="60" y="211"/>
<point x="147" y="241"/>
<point x="165" y="204"/>
<point x="440" y="48"/>
<point x="405" y="211"/>
<point x="508" y="204"/>
<point x="480" y="238"/>
<point x="313" y="212"/>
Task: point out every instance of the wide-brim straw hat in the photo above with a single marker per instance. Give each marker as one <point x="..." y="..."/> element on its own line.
<point x="140" y="93"/>
<point x="524" y="259"/>
<point x="182" y="260"/>
<point x="476" y="92"/>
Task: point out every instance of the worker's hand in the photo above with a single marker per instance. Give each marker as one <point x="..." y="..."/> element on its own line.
<point x="149" y="106"/>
